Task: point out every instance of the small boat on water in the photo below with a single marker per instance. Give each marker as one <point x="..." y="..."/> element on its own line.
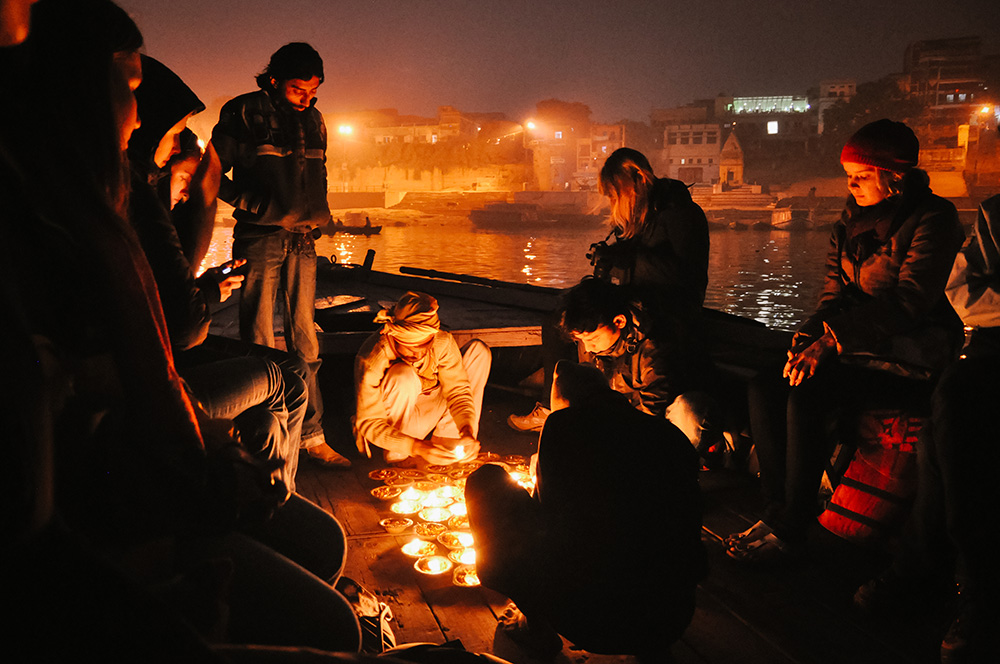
<point x="332" y="229"/>
<point x="501" y="215"/>
<point x="504" y="216"/>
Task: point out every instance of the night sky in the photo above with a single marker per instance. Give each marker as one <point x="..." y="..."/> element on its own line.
<point x="621" y="58"/>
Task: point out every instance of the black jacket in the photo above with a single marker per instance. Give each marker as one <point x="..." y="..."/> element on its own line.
<point x="278" y="160"/>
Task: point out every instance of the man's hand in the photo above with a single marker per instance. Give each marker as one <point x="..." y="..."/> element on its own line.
<point x="803" y="365"/>
<point x="443" y="451"/>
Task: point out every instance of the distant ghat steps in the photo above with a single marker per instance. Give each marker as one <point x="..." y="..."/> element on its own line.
<point x="746" y="197"/>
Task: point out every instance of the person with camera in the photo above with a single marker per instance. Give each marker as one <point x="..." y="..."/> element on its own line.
<point x="658" y="248"/>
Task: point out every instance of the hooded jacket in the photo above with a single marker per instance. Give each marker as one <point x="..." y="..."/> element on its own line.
<point x="164" y="99"/>
<point x="278" y="160"/>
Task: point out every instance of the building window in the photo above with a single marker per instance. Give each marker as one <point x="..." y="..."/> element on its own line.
<point x="712" y="138"/>
<point x="697" y="137"/>
<point x="772" y="127"/>
<point x="558" y="134"/>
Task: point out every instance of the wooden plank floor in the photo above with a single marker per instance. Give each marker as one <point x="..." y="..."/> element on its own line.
<point x="797" y="613"/>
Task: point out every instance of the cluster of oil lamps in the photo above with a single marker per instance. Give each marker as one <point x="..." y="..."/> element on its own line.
<point x="430" y="504"/>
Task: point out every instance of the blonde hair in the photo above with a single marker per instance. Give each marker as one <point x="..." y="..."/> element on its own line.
<point x="627" y="180"/>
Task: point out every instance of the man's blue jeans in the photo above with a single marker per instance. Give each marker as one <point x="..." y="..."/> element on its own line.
<point x="284" y="261"/>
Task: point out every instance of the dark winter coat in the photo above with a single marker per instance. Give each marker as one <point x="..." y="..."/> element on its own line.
<point x="883" y="299"/>
<point x="278" y="160"/>
<point x="668" y="261"/>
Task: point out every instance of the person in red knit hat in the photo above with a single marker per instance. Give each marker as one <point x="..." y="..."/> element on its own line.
<point x="883" y="330"/>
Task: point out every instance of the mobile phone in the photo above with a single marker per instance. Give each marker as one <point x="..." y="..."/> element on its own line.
<point x="228" y="269"/>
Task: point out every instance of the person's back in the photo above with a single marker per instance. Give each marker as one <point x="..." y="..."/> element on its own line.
<point x="607" y="474"/>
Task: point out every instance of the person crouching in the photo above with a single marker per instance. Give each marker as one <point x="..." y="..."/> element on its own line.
<point x="418" y="395"/>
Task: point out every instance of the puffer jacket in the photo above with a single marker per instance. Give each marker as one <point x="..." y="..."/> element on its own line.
<point x="883" y="298"/>
<point x="278" y="160"/>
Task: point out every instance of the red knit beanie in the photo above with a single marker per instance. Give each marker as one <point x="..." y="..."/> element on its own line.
<point x="884" y="144"/>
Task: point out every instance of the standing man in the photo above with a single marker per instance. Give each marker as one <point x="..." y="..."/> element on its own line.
<point x="274" y="140"/>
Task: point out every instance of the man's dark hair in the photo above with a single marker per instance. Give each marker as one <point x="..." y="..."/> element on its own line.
<point x="295" y="60"/>
<point x="591" y="303"/>
<point x="579" y="383"/>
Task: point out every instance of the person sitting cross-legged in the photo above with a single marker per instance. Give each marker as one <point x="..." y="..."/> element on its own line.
<point x="418" y="395"/>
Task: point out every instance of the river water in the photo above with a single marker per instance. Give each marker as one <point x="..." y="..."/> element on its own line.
<point x="770" y="276"/>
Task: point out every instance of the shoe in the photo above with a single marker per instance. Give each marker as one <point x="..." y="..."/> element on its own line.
<point x="972" y="636"/>
<point x="533" y="421"/>
<point x="751" y="534"/>
<point x="758" y="545"/>
<point x="539" y="640"/>
<point x="328" y="457"/>
<point x="883" y="594"/>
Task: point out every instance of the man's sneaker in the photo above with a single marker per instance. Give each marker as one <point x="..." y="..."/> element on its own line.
<point x="533" y="421"/>
<point x="326" y="456"/>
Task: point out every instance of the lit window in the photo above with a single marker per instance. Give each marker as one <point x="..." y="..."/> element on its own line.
<point x="558" y="134"/>
<point x="772" y="127"/>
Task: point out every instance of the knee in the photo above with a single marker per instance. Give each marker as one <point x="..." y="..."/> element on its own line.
<point x="476" y="354"/>
<point x="401" y="379"/>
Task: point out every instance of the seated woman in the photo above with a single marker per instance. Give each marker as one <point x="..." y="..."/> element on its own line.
<point x="658" y="247"/>
<point x="658" y="364"/>
<point x="604" y="471"/>
<point x="950" y="534"/>
<point x="882" y="329"/>
<point x="418" y="395"/>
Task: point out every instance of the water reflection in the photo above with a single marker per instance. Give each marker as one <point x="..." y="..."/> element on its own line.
<point x="774" y="277"/>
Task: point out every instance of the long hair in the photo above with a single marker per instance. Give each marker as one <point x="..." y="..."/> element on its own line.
<point x="627" y="180"/>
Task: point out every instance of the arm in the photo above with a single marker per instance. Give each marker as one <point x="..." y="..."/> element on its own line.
<point x="677" y="251"/>
<point x="195" y="218"/>
<point x="455" y="383"/>
<point x="371" y="420"/>
<point x="829" y="298"/>
<point x="231" y="138"/>
<point x="185" y="306"/>
<point x="898" y="307"/>
<point x="974" y="285"/>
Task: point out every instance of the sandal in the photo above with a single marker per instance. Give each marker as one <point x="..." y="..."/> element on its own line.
<point x="766" y="549"/>
<point x="755" y="532"/>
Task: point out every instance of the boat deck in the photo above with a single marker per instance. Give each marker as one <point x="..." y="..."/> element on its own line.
<point x="796" y="613"/>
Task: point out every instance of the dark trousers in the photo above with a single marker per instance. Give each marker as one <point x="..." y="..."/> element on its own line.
<point x="954" y="514"/>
